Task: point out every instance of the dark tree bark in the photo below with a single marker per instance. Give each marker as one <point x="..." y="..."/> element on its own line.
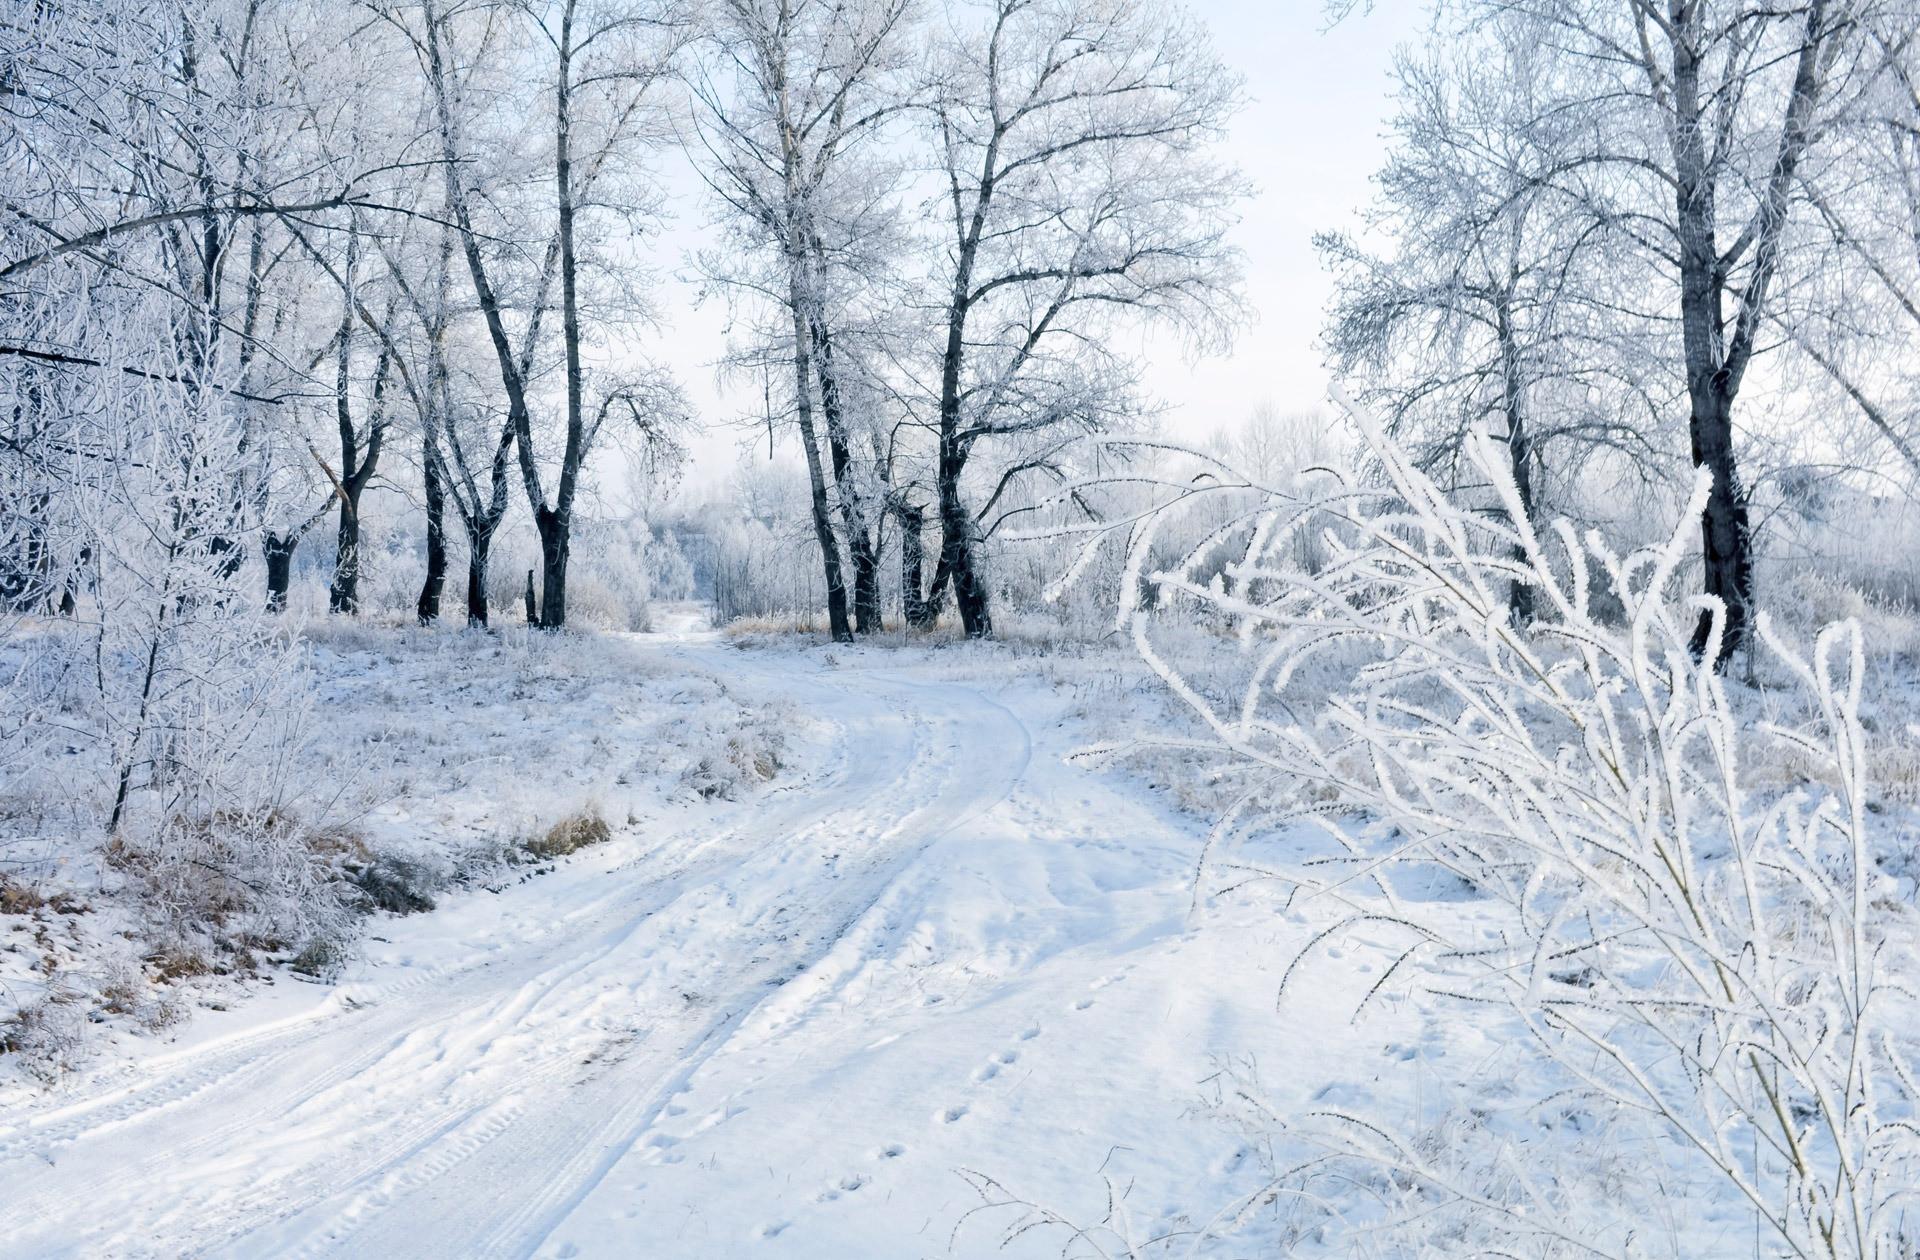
<point x="428" y="606"/>
<point x="343" y="593"/>
<point x="958" y="559"/>
<point x="913" y="604"/>
<point x="359" y="457"/>
<point x="959" y="538"/>
<point x="1715" y="361"/>
<point x="554" y="546"/>
<point x="277" y="550"/>
<point x="533" y="612"/>
<point x="26" y="580"/>
<point x="479" y="544"/>
<point x="1513" y="390"/>
<point x="853" y="513"/>
<point x="798" y="304"/>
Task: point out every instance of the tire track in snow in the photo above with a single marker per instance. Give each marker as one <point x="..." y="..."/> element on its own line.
<point x="413" y="1117"/>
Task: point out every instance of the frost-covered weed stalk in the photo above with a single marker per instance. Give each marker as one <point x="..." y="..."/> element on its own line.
<point x="1680" y="951"/>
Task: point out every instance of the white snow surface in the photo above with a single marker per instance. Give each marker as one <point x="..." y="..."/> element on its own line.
<point x="780" y="1026"/>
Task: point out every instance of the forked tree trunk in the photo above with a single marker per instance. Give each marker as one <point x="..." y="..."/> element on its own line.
<point x="1717" y="361"/>
<point x="479" y="543"/>
<point x="837" y="623"/>
<point x="853" y="514"/>
<point x="1726" y="535"/>
<point x="277" y="550"/>
<point x="959" y="549"/>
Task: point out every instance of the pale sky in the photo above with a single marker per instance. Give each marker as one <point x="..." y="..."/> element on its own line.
<point x="1309" y="138"/>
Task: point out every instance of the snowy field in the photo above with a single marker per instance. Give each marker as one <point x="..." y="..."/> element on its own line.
<point x="810" y="1021"/>
<point x="875" y="961"/>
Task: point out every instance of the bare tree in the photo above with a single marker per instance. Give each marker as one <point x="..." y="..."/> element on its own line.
<point x="799" y="91"/>
<point x="1070" y="144"/>
<point x="1707" y="122"/>
<point x="1489" y="313"/>
<point x="606" y="59"/>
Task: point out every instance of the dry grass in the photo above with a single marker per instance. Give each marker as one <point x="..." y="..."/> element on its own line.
<point x="574" y="832"/>
<point x="17" y="898"/>
<point x="49" y="1036"/>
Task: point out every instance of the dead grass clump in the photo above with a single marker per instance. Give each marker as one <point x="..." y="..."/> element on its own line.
<point x="574" y="832"/>
<point x="750" y="756"/>
<point x="229" y="885"/>
<point x="49" y="1036"/>
<point x="126" y="990"/>
<point x="396" y="884"/>
<point x="176" y="964"/>
<point x="16" y="898"/>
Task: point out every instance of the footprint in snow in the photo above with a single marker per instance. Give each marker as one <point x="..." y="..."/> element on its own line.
<point x="951" y="1114"/>
<point x="1083" y="1004"/>
<point x="892" y="1150"/>
<point x="1009" y="1057"/>
<point x="1031" y="1033"/>
<point x="660" y="1149"/>
<point x="985" y="1073"/>
<point x="774" y="1230"/>
<point x="847" y="1185"/>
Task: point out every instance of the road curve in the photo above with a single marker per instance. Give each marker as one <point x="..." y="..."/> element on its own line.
<point x="465" y="1112"/>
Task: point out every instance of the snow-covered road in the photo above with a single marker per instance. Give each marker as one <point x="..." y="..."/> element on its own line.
<point x="778" y="1033"/>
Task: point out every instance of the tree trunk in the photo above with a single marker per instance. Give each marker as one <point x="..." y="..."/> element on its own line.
<point x="853" y="514"/>
<point x="912" y="559"/>
<point x="1726" y="536"/>
<point x="554" y="546"/>
<point x="479" y="543"/>
<point x="958" y="559"/>
<point x="533" y="614"/>
<point x="958" y="548"/>
<point x="343" y="593"/>
<point x="816" y="481"/>
<point x="1520" y="597"/>
<point x="428" y="607"/>
<point x="277" y="550"/>
<point x="866" y="588"/>
<point x="1513" y="388"/>
<point x="70" y="589"/>
<point x="1716" y="362"/>
<point x="24" y="586"/>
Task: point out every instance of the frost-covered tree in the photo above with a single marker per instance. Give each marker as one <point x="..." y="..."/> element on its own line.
<point x="1076" y="187"/>
<point x="590" y="113"/>
<point x="799" y="94"/>
<point x="1490" y="310"/>
<point x="1695" y="132"/>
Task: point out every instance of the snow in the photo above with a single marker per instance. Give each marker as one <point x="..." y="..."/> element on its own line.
<point x="782" y="1026"/>
<point x="940" y="988"/>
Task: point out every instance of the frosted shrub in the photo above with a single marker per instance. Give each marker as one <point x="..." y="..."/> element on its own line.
<point x="1683" y="951"/>
<point x="194" y="700"/>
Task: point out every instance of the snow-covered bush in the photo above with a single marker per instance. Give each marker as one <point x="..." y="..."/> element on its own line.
<point x="164" y="709"/>
<point x="1685" y="954"/>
